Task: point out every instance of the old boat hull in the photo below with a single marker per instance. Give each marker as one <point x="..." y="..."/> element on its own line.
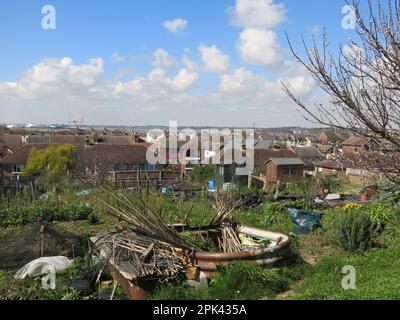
<point x="209" y="262"/>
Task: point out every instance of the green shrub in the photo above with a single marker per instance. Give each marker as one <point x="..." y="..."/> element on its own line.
<point x="23" y="215"/>
<point x="381" y="214"/>
<point x="389" y="192"/>
<point x="32" y="289"/>
<point x="300" y="204"/>
<point x="332" y="182"/>
<point x="274" y="217"/>
<point x="80" y="268"/>
<point x="306" y="188"/>
<point x="3" y="280"/>
<point x="71" y="295"/>
<point x="352" y="230"/>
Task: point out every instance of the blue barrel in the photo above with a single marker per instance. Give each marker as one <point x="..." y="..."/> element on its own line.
<point x="211" y="185"/>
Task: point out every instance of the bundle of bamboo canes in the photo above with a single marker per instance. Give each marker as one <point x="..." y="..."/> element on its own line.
<point x="143" y="219"/>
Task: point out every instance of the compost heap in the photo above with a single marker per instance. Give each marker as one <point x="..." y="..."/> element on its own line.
<point x="148" y="248"/>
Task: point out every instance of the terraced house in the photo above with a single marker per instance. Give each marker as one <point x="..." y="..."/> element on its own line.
<point x="121" y="161"/>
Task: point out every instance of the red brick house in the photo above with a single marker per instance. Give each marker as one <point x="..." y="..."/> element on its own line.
<point x="96" y="160"/>
<point x="284" y="170"/>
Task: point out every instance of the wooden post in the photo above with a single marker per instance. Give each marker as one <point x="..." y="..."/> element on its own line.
<point x="41" y="237"/>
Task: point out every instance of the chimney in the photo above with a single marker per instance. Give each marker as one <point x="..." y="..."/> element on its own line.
<point x="91" y="139"/>
<point x="136" y="137"/>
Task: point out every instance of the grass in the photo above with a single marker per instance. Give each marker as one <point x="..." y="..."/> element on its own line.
<point x="376" y="277"/>
<point x="239" y="281"/>
<point x="376" y="270"/>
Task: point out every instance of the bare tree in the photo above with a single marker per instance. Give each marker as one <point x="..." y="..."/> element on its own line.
<point x="362" y="81"/>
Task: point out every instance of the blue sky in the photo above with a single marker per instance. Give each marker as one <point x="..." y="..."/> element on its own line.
<point x="134" y="30"/>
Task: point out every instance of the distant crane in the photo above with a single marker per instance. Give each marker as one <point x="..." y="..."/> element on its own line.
<point x="75" y="123"/>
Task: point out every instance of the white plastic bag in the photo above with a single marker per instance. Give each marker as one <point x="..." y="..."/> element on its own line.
<point x="42" y="266"/>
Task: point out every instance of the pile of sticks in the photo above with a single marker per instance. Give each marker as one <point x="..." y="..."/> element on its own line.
<point x="224" y="207"/>
<point x="148" y="247"/>
<point x="229" y="241"/>
<point x="140" y="257"/>
<point x="144" y="220"/>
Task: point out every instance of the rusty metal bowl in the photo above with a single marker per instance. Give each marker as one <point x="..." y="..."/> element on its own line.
<point x="209" y="262"/>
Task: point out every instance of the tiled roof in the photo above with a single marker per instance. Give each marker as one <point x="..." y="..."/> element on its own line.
<point x="56" y="139"/>
<point x="12" y="141"/>
<point x="287" y="161"/>
<point x="333" y="164"/>
<point x="310" y="153"/>
<point x="263" y="144"/>
<point x="261" y="157"/>
<point x="20" y="156"/>
<point x="106" y="156"/>
<point x="356" y="141"/>
<point x="99" y="155"/>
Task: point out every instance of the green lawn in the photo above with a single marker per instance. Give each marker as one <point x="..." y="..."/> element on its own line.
<point x="377" y="277"/>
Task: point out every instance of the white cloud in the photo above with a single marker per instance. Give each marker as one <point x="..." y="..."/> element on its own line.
<point x="240" y="80"/>
<point x="214" y="60"/>
<point x="51" y="76"/>
<point x="86" y="74"/>
<point x="157" y="85"/>
<point x="241" y="85"/>
<point x="257" y="46"/>
<point x="44" y="91"/>
<point x="299" y="85"/>
<point x="163" y="59"/>
<point x="117" y="58"/>
<point x="264" y="14"/>
<point x="188" y="61"/>
<point x="175" y="26"/>
<point x="184" y="80"/>
<point x="353" y="51"/>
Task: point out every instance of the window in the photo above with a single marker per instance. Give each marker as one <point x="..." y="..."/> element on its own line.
<point x="290" y="172"/>
<point x="16" y="168"/>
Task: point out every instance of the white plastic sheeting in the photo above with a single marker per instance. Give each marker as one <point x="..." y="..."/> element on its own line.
<point x="43" y="266"/>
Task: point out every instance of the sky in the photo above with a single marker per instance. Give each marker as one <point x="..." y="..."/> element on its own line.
<point x="198" y="62"/>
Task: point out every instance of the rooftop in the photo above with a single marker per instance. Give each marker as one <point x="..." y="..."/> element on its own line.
<point x="287" y="161"/>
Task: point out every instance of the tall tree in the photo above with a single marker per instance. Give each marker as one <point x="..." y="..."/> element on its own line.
<point x="362" y="81"/>
<point x="52" y="164"/>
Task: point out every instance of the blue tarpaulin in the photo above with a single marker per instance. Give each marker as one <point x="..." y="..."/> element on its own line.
<point x="305" y="221"/>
